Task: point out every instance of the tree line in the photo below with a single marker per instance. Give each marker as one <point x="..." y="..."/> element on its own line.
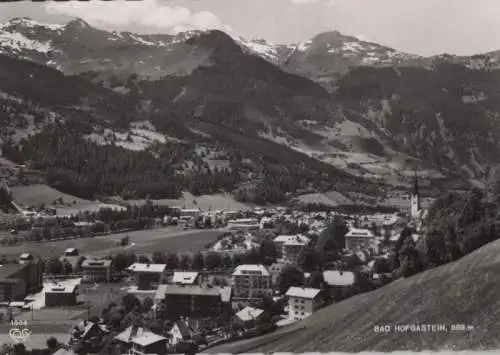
<point x="82" y="167"/>
<point x="456" y="225"/>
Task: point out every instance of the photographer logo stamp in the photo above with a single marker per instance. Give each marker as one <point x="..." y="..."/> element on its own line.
<point x="19" y="331"/>
<point x="19" y="335"/>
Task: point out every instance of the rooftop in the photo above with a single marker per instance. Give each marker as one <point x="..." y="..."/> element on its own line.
<point x="184" y="277"/>
<point x="359" y="233"/>
<point x="61" y="289"/>
<point x="250" y="268"/>
<point x="142" y="337"/>
<point x="285" y="238"/>
<point x="138" y="267"/>
<point x="296" y="241"/>
<point x="338" y="278"/>
<point x="309" y="293"/>
<point x="249" y="313"/>
<point x="92" y="263"/>
<point x="8" y="270"/>
<point x="190" y="290"/>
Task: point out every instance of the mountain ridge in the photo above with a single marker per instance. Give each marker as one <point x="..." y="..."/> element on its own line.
<point x="347" y="51"/>
<point x="345" y="113"/>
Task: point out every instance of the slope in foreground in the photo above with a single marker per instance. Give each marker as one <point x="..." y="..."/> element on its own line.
<point x="462" y="292"/>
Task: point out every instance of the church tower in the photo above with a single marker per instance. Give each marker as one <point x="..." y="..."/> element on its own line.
<point x="415" y="200"/>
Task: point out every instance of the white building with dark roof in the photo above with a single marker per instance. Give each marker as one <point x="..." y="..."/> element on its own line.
<point x="25" y="258"/>
<point x="71" y="252"/>
<point x="302" y="302"/>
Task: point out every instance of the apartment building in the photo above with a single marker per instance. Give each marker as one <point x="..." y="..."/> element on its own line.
<point x="357" y="239"/>
<point x="192" y="301"/>
<point x="147" y="276"/>
<point x="59" y="296"/>
<point x="280" y="240"/>
<point x="292" y="248"/>
<point x="96" y="270"/>
<point x="19" y="280"/>
<point x="302" y="302"/>
<point x="251" y="282"/>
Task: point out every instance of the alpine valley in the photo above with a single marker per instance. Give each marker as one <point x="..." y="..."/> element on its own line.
<point x="107" y="113"/>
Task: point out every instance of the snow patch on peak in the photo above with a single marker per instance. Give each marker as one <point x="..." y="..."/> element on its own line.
<point x="17" y="42"/>
<point x="258" y="46"/>
<point x="352" y="47"/>
<point x="28" y="22"/>
<point x="142" y="41"/>
<point x="78" y="22"/>
<point x="304" y="46"/>
<point x="185" y="35"/>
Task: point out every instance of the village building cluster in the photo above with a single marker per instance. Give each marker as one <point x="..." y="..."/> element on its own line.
<point x="246" y="298"/>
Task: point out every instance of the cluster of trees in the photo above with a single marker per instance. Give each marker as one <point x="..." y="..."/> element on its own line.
<point x="134" y="217"/>
<point x="61" y="266"/>
<point x="20" y="349"/>
<point x="83" y="168"/>
<point x="456" y="225"/>
<point x="347" y="209"/>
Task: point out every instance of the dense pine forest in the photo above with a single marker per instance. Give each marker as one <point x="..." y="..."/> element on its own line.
<point x="84" y="168"/>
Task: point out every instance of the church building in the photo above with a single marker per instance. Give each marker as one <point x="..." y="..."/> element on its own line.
<point x="415" y="204"/>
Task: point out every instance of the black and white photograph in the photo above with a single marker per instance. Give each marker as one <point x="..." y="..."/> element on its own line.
<point x="249" y="177"/>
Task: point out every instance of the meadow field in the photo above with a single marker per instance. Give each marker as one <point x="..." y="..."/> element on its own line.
<point x="171" y="239"/>
<point x="41" y="194"/>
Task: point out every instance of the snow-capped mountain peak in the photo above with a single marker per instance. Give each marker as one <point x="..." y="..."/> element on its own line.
<point x="78" y="23"/>
<point x="78" y="47"/>
<point x="27" y="22"/>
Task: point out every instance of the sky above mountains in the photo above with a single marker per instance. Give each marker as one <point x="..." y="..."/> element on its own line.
<point x="424" y="27"/>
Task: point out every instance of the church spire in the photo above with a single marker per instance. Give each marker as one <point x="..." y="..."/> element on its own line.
<point x="415" y="185"/>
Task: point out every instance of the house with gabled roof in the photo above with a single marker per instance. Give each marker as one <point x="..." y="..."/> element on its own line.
<point x="180" y="332"/>
<point x="140" y="341"/>
<point x="248" y="317"/>
<point x="88" y="333"/>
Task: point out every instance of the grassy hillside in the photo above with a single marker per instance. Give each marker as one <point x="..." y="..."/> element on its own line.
<point x="463" y="292"/>
<point x="204" y="202"/>
<point x="38" y="194"/>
